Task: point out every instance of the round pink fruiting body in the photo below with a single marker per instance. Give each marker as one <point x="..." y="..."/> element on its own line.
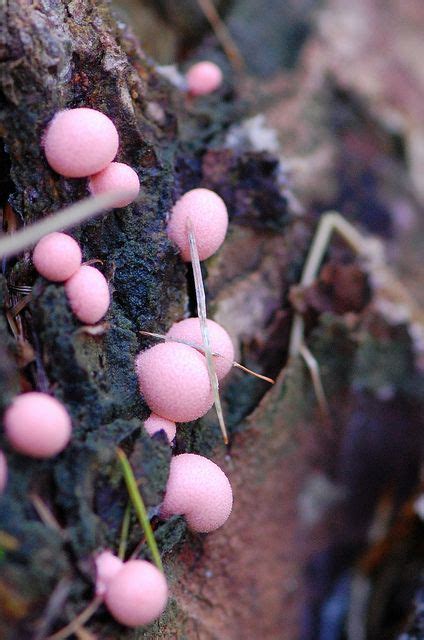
<point x="116" y="177"/>
<point x="107" y="566"/>
<point x="3" y="472"/>
<point x="57" y="256"/>
<point x="198" y="489"/>
<point x="203" y="78"/>
<point x="220" y="341"/>
<point x="138" y="594"/>
<point x="88" y="294"/>
<point x="155" y="423"/>
<point x="80" y="142"/>
<point x="174" y="381"/>
<point x="37" y="425"/>
<point x="209" y="218"/>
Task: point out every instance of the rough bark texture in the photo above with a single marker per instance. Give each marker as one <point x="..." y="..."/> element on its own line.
<point x="307" y="491"/>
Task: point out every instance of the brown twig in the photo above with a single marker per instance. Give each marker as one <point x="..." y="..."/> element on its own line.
<point x="222" y="33"/>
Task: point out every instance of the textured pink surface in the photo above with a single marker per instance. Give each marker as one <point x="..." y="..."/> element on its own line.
<point x="209" y="217"/>
<point x="3" y="472"/>
<point x="137" y="594"/>
<point x="200" y="490"/>
<point x="88" y="294"/>
<point x="57" y="256"/>
<point x="107" y="566"/>
<point x="174" y="381"/>
<point x="155" y="423"/>
<point x="220" y="341"/>
<point x="80" y="142"/>
<point x="37" y="425"/>
<point x="203" y="78"/>
<point x="117" y="176"/>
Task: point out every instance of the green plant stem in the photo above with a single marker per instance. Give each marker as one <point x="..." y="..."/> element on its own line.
<point x="139" y="507"/>
<point x="124" y="532"/>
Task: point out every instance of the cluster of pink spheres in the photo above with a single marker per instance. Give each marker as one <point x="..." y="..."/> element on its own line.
<point x="135" y="592"/>
<point x="173" y="377"/>
<point x="57" y="257"/>
<point x="174" y="380"/>
<point x="82" y="143"/>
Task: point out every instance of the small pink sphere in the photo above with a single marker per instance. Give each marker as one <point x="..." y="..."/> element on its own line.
<point x="174" y="381"/>
<point x="57" y="256"/>
<point x="116" y="177"/>
<point x="80" y="142"/>
<point x="198" y="489"/>
<point x="37" y="425"/>
<point x="3" y="472"/>
<point x="220" y="341"/>
<point x="209" y="217"/>
<point x="88" y="294"/>
<point x="155" y="423"/>
<point x="107" y="566"/>
<point x="138" y="594"/>
<point x="203" y="78"/>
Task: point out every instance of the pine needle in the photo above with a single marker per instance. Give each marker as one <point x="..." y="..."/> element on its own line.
<point x="68" y="217"/>
<point x="201" y="311"/>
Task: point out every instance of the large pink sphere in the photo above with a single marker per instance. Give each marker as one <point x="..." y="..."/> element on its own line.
<point x="37" y="425"/>
<point x="155" y="423"/>
<point x="107" y="566"/>
<point x="88" y="294"/>
<point x="203" y="78"/>
<point x="116" y="177"/>
<point x="80" y="142"/>
<point x="174" y="381"/>
<point x="3" y="472"/>
<point x="137" y="594"/>
<point x="198" y="489"/>
<point x="220" y="341"/>
<point x="209" y="217"/>
<point x="57" y="256"/>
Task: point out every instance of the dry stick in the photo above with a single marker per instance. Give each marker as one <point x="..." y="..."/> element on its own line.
<point x="313" y="367"/>
<point x="79" y="621"/>
<point x="222" y="33"/>
<point x="252" y="373"/>
<point x="45" y="514"/>
<point x="139" y="507"/>
<point x="198" y="347"/>
<point x="201" y="312"/>
<point x="64" y="219"/>
<point x="330" y="222"/>
<point x="20" y="306"/>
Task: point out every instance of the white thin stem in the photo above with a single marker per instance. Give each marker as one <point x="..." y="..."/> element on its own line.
<point x="329" y="222"/>
<point x="68" y="217"/>
<point x="201" y="311"/>
<point x="312" y="364"/>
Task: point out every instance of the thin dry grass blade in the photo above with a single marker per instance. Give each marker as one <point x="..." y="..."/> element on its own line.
<point x="200" y="348"/>
<point x="201" y="311"/>
<point x="69" y="217"/>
